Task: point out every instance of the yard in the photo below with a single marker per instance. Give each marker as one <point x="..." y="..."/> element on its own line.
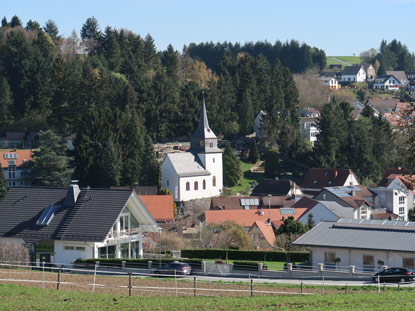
<point x="247" y="178"/>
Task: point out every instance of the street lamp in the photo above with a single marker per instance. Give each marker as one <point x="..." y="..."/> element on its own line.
<point x="269" y="208"/>
<point x="159" y="229"/>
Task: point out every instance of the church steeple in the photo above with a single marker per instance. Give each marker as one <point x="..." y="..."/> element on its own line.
<point x="203" y="139"/>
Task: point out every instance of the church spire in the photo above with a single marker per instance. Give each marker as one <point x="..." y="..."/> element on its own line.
<point x="203" y="119"/>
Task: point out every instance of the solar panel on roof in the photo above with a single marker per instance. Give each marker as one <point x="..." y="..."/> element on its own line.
<point x="47" y="215"/>
<point x="287" y="211"/>
<point x="243" y="202"/>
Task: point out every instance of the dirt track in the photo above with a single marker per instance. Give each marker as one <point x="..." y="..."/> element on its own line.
<point x="145" y="286"/>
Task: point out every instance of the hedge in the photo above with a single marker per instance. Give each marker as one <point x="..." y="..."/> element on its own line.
<point x="245" y="255"/>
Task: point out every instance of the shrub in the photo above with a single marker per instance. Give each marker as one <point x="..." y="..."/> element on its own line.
<point x="10" y="252"/>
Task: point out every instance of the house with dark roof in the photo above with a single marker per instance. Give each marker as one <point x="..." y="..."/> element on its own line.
<point x="355" y="73"/>
<point x="355" y="202"/>
<point x="198" y="172"/>
<point x="59" y="225"/>
<point x="317" y="209"/>
<point x="318" y="178"/>
<point x="309" y="112"/>
<point x="400" y="75"/>
<point x="366" y="244"/>
<point x="387" y="82"/>
<point x="277" y="187"/>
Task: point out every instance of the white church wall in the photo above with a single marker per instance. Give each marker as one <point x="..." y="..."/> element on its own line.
<point x="169" y="179"/>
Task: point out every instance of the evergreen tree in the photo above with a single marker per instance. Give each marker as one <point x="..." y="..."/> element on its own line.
<point x="91" y="34"/>
<point x="51" y="166"/>
<point x="52" y="30"/>
<point x="253" y="153"/>
<point x="272" y="164"/>
<point x="231" y="168"/>
<point x="4" y="22"/>
<point x="15" y="21"/>
<point x="150" y="174"/>
<point x="6" y="103"/>
<point x="33" y="25"/>
<point x="110" y="168"/>
<point x="3" y="184"/>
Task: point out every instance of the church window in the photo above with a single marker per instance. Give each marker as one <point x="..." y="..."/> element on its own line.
<point x="196" y="185"/>
<point x="214" y="181"/>
<point x="187" y="186"/>
<point x="211" y="145"/>
<point x="213" y="160"/>
<point x="204" y="184"/>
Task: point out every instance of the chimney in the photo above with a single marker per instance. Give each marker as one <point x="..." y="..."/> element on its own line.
<point x="72" y="194"/>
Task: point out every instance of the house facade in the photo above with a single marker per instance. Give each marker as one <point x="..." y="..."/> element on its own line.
<point x="198" y="172"/>
<point x="387" y="83"/>
<point x="330" y="82"/>
<point x="366" y="244"/>
<point x="60" y="225"/>
<point x="392" y="201"/>
<point x="355" y="73"/>
<point x="370" y="72"/>
<point x="17" y="165"/>
<point x="309" y="129"/>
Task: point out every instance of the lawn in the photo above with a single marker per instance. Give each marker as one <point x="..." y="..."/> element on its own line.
<point x="247" y="178"/>
<point x="14" y="297"/>
<point x="350" y="59"/>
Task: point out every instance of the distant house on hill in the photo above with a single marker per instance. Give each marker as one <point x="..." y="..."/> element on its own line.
<point x="370" y="72"/>
<point x="318" y="178"/>
<point x="309" y="112"/>
<point x="355" y="73"/>
<point x="387" y="83"/>
<point x="17" y="165"/>
<point x="277" y="187"/>
<point x="309" y="129"/>
<point x="400" y="75"/>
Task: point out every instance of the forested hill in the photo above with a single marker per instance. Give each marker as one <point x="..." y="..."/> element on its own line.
<point x="298" y="58"/>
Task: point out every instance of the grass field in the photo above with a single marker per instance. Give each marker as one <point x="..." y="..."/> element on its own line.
<point x="350" y="59"/>
<point x="14" y="297"/>
<point x="247" y="179"/>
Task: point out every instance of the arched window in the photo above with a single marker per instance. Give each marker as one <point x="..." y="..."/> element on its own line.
<point x="214" y="181"/>
<point x="213" y="160"/>
<point x="196" y="185"/>
<point x="204" y="184"/>
<point x="187" y="186"/>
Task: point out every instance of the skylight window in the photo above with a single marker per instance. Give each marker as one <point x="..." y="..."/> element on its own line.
<point x="47" y="215"/>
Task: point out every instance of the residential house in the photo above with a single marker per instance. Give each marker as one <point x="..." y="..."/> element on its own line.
<point x="17" y="165"/>
<point x="198" y="172"/>
<point x="358" y="108"/>
<point x="383" y="105"/>
<point x="277" y="187"/>
<point x="309" y="129"/>
<point x="60" y="225"/>
<point x="366" y="244"/>
<point x="309" y="112"/>
<point x="262" y="235"/>
<point x="410" y="75"/>
<point x="318" y="178"/>
<point x="391" y="201"/>
<point x="387" y="83"/>
<point x="355" y="73"/>
<point x="335" y="66"/>
<point x="319" y="211"/>
<point x="370" y="72"/>
<point x="400" y="75"/>
<point x="251" y="202"/>
<point x="331" y="82"/>
<point x="355" y="202"/>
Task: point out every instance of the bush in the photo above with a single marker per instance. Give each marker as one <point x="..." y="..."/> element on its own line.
<point x="245" y="255"/>
<point x="10" y="252"/>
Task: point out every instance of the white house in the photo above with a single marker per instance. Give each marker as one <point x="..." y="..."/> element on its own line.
<point x="392" y="201"/>
<point x="319" y="211"/>
<point x="17" y="165"/>
<point x="309" y="129"/>
<point x="60" y="225"/>
<point x="197" y="173"/>
<point x="309" y="112"/>
<point x="387" y="82"/>
<point x="331" y="82"/>
<point x="366" y="244"/>
<point x="355" y="73"/>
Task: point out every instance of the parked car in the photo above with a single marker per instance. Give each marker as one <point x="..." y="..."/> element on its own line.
<point x="176" y="267"/>
<point x="394" y="275"/>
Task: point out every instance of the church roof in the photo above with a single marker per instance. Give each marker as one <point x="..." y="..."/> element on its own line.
<point x="186" y="164"/>
<point x="203" y="131"/>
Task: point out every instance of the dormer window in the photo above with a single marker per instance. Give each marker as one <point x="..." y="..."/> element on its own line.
<point x="47" y="215"/>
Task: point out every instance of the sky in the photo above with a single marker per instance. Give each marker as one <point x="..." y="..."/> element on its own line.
<point x="340" y="28"/>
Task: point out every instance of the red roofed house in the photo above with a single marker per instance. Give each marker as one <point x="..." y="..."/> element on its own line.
<point x="318" y="178"/>
<point x="16" y="166"/>
<point x="256" y="221"/>
<point x="160" y="207"/>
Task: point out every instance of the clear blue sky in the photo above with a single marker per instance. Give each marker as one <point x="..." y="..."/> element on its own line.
<point x="338" y="27"/>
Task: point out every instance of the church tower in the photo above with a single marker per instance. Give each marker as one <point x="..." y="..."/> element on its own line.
<point x="204" y="144"/>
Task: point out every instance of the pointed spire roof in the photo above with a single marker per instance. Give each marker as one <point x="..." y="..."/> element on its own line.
<point x="203" y="131"/>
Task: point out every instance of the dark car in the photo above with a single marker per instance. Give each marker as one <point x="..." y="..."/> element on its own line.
<point x="394" y="275"/>
<point x="178" y="268"/>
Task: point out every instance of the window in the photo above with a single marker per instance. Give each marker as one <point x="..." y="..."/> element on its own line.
<point x="187" y="186"/>
<point x="69" y="248"/>
<point x="402" y="200"/>
<point x="368" y="260"/>
<point x="211" y="145"/>
<point x="214" y="181"/>
<point x="401" y="210"/>
<point x="204" y="184"/>
<point x="252" y="236"/>
<point x="329" y="258"/>
<point x="74" y="248"/>
<point x="125" y="222"/>
<point x="408" y="262"/>
<point x="261" y="237"/>
<point x="213" y="160"/>
<point x="196" y="185"/>
<point x="80" y="248"/>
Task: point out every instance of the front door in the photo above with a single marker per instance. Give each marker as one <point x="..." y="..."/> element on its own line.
<point x="45" y="258"/>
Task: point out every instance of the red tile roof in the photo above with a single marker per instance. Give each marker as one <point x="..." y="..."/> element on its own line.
<point x="389" y="216"/>
<point x="384" y="181"/>
<point x="24" y="157"/>
<point x="247" y="218"/>
<point x="266" y="231"/>
<point x="159" y="206"/>
<point x="318" y="178"/>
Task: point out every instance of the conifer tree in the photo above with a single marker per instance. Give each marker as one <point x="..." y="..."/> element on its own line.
<point x="253" y="153"/>
<point x="110" y="166"/>
<point x="15" y="21"/>
<point x="231" y="168"/>
<point x="272" y="164"/>
<point x="6" y="103"/>
<point x="3" y="183"/>
<point x="51" y="166"/>
<point x="150" y="174"/>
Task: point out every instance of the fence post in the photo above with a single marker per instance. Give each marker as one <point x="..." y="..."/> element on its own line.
<point x="301" y="287"/>
<point x="59" y="277"/>
<point x="194" y="287"/>
<point x="384" y="287"/>
<point x="347" y="288"/>
<point x="123" y="264"/>
<point x="203" y="266"/>
<point x="129" y="283"/>
<point x="175" y="280"/>
<point x="252" y="287"/>
<point x="399" y="286"/>
<point x="352" y="270"/>
<point x="43" y="274"/>
<point x="322" y="290"/>
<point x="378" y="283"/>
<point x="290" y="268"/>
<point x="149" y="265"/>
<point x="260" y="267"/>
<point x="95" y="276"/>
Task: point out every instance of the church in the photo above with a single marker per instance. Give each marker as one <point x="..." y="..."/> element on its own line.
<point x="197" y="173"/>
